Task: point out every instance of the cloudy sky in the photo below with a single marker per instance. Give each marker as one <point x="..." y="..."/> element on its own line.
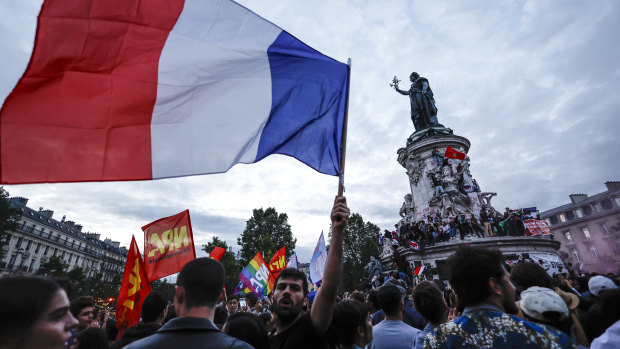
<point x="532" y="84"/>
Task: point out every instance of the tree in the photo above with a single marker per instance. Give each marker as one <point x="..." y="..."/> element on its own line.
<point x="54" y="267"/>
<point x="266" y="231"/>
<point x="164" y="287"/>
<point x="9" y="218"/>
<point x="79" y="282"/>
<point x="231" y="266"/>
<point x="359" y="244"/>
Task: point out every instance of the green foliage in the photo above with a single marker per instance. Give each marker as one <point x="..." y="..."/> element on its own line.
<point x="266" y="231"/>
<point x="79" y="282"/>
<point x="9" y="218"/>
<point x="54" y="267"/>
<point x="232" y="267"/>
<point x="360" y="243"/>
<point x="162" y="285"/>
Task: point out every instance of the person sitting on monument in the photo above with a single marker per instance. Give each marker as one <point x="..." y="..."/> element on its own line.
<point x="437" y="157"/>
<point x="437" y="185"/>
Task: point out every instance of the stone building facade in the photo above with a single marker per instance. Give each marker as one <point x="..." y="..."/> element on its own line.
<point x="588" y="229"/>
<point x="39" y="236"/>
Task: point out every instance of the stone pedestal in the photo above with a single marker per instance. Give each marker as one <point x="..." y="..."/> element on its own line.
<point x="439" y="185"/>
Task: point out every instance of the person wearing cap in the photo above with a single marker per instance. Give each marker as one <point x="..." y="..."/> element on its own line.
<point x="599" y="283"/>
<point x="483" y="286"/>
<point x="392" y="332"/>
<point x="596" y="320"/>
<point x="543" y="305"/>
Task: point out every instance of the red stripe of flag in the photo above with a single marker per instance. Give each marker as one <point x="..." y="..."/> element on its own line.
<point x="96" y="62"/>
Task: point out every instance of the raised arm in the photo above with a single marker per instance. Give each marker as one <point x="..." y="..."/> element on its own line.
<point x="323" y="305"/>
<point x="402" y="92"/>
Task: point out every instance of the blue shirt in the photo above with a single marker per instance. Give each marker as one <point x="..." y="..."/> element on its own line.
<point x="393" y="334"/>
<point x="486" y="326"/>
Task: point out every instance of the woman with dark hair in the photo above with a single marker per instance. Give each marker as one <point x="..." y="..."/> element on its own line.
<point x="34" y="313"/>
<point x="351" y="327"/>
<point x="249" y="328"/>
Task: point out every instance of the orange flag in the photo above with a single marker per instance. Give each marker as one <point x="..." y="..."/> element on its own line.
<point x="278" y="262"/>
<point x="168" y="245"/>
<point x="217" y="253"/>
<point x="134" y="287"/>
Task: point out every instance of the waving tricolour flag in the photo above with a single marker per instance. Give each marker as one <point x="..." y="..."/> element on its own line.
<point x="143" y="89"/>
<point x="292" y="262"/>
<point x="419" y="270"/>
<point x="414" y="245"/>
<point x="317" y="263"/>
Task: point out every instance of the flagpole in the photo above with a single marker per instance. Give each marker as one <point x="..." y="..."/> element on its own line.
<point x="343" y="147"/>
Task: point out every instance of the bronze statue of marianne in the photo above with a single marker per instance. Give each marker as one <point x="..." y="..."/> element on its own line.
<point x="423" y="109"/>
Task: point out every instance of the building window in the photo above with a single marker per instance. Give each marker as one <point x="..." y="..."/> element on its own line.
<point x="593" y="251"/>
<point x="570" y="215"/>
<point x="568" y="237"/>
<point x="617" y="200"/>
<point x="47" y="248"/>
<point x="28" y="245"/>
<point x="19" y="243"/>
<point x="562" y="217"/>
<point x="576" y="255"/>
<point x="587" y="210"/>
<point x="597" y="207"/>
<point x="604" y="229"/>
<point x="36" y="250"/>
<point x="578" y="213"/>
<point x="586" y="232"/>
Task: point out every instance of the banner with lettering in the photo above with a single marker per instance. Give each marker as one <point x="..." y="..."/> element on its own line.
<point x="168" y="245"/>
<point x="536" y="227"/>
<point x="256" y="276"/>
<point x="278" y="262"/>
<point x="134" y="288"/>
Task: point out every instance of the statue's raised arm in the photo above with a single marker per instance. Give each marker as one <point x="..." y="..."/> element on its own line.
<point x="423" y="109"/>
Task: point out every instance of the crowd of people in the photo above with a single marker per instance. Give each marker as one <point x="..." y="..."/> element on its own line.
<point x="434" y="229"/>
<point x="486" y="304"/>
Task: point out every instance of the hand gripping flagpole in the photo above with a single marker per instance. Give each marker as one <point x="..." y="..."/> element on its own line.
<point x="343" y="147"/>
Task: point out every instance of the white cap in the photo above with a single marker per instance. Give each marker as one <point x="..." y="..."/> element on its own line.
<point x="537" y="302"/>
<point x="600" y="283"/>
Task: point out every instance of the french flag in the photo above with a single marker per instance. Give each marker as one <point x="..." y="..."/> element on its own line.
<point x="414" y="245"/>
<point x="145" y="89"/>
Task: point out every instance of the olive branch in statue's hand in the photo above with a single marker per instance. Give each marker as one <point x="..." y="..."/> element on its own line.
<point x="395" y="82"/>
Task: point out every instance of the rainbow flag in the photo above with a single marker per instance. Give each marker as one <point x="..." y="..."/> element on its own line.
<point x="256" y="276"/>
<point x="241" y="289"/>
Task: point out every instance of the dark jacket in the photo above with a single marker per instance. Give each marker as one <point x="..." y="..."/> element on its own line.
<point x="134" y="333"/>
<point x="189" y="332"/>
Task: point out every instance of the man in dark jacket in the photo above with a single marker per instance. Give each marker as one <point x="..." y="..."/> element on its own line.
<point x="154" y="311"/>
<point x="199" y="287"/>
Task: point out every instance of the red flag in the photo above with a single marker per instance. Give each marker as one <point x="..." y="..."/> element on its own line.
<point x="414" y="245"/>
<point x="134" y="287"/>
<point x="168" y="245"/>
<point x="217" y="253"/>
<point x="278" y="262"/>
<point x="454" y="154"/>
<point x="419" y="270"/>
